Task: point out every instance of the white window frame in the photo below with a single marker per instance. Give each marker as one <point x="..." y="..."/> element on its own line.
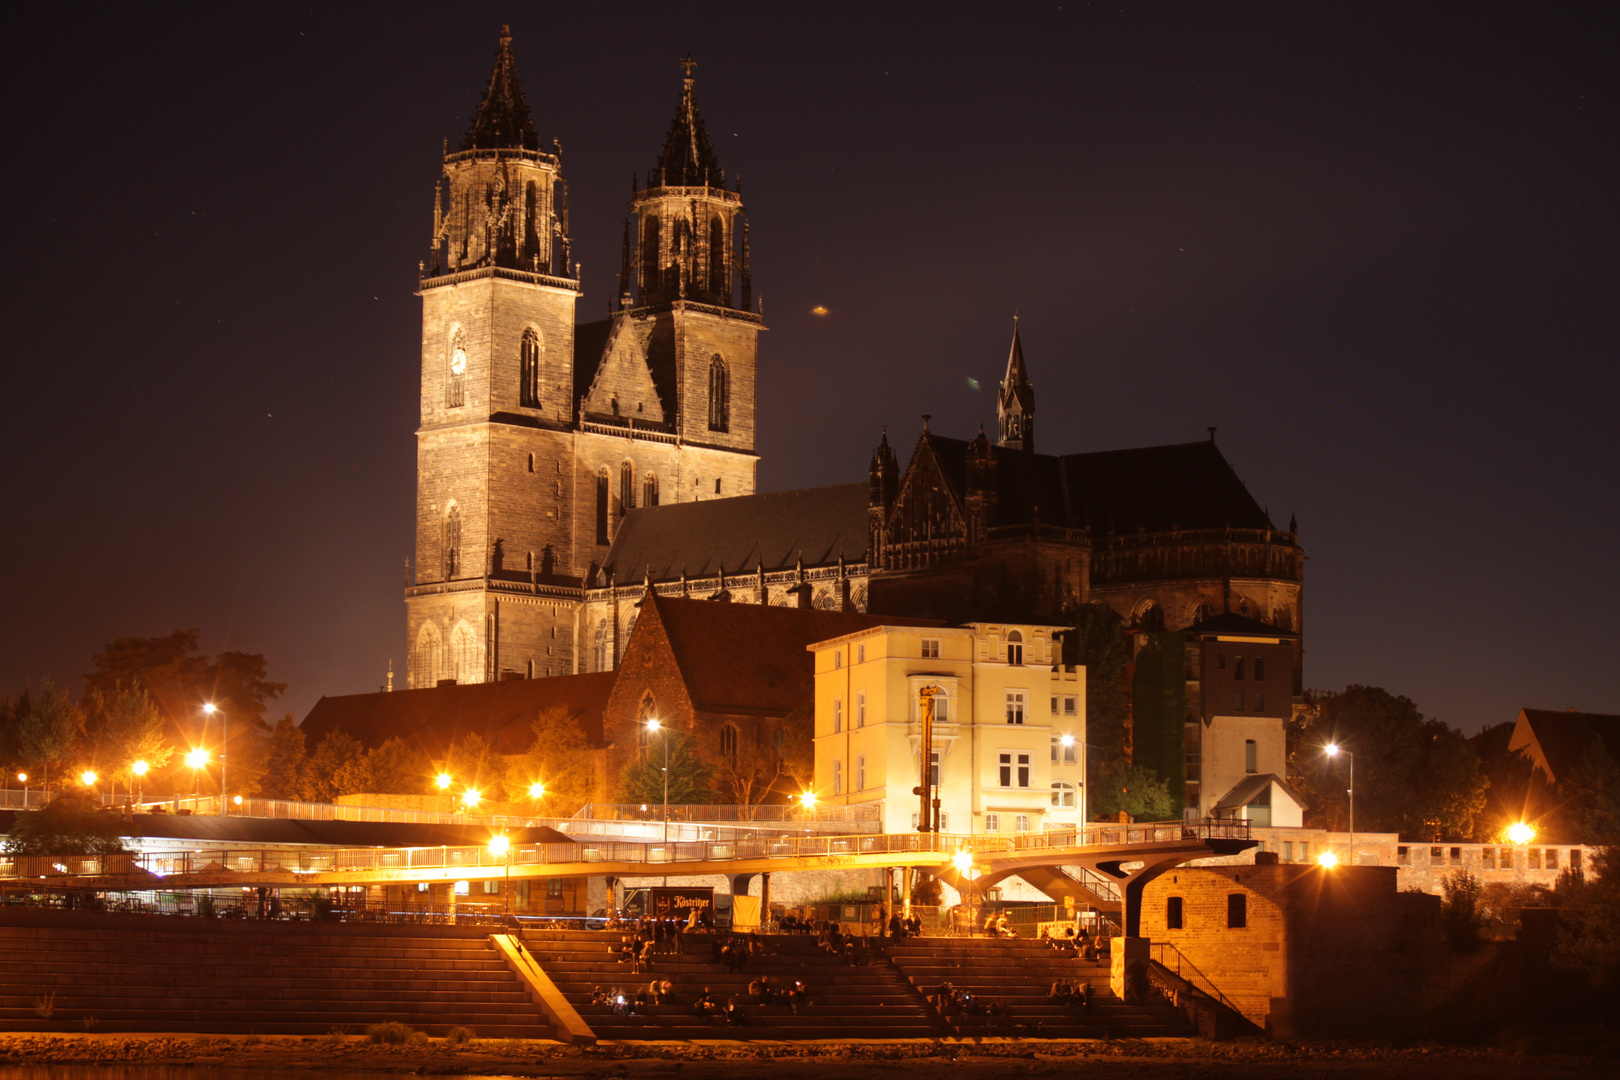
<point x="1017" y="702"/>
<point x="838" y="776"/>
<point x="992" y="823"/>
<point x="838" y="716"/>
<point x="1021" y="823"/>
<point x="1071" y="705"/>
<point x="860" y="709"/>
<point x="930" y="648"/>
<point x="860" y="654"/>
<point x="1064" y="795"/>
<point x="860" y="772"/>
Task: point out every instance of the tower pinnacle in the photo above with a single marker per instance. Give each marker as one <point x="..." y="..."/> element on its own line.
<point x="1015" y="404"/>
<point x="503" y="121"/>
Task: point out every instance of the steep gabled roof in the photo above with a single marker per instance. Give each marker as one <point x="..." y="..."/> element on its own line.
<point x="1184" y="485"/>
<point x="749" y="658"/>
<point x="1556" y="741"/>
<point x="434" y="717"/>
<point x="780" y="529"/>
<point x="503" y="121"/>
<point x="1250" y="787"/>
<point x="687" y="159"/>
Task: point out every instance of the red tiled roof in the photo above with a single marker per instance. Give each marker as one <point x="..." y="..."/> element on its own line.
<point x="751" y="658"/>
<point x="434" y="718"/>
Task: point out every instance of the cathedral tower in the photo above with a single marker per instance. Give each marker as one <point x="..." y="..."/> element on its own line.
<point x="498" y="297"/>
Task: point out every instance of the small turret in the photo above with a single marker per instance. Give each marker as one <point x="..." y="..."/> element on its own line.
<point x="1015" y="404"/>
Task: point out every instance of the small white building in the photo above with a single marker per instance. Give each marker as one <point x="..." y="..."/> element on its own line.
<point x="1009" y="725"/>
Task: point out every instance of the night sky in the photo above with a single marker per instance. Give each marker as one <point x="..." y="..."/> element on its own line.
<point x="1375" y="245"/>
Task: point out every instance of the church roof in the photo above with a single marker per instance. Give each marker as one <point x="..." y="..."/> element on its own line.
<point x="750" y="658"/>
<point x="503" y="121"/>
<point x="687" y="159"/>
<point x="1232" y="624"/>
<point x="781" y="529"/>
<point x="1156" y="488"/>
<point x="1557" y="740"/>
<point x="434" y="717"/>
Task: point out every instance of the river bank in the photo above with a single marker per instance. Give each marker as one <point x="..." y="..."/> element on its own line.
<point x="1149" y="1059"/>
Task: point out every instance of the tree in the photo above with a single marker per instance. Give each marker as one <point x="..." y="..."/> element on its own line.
<point x="1459" y="908"/>
<point x="690" y="780"/>
<point x="318" y="779"/>
<point x="125" y="727"/>
<point x="1590" y="939"/>
<point x="69" y="825"/>
<point x="1098" y="641"/>
<point x="285" y="761"/>
<point x="48" y="730"/>
<point x="1414" y="776"/>
<point x="475" y="766"/>
<point x="1159" y="713"/>
<point x="560" y="759"/>
<point x="1135" y="790"/>
<point x="394" y="768"/>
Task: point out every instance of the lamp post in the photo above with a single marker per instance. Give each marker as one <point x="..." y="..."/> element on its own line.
<point x="22" y="778"/>
<point x="138" y="770"/>
<point x="196" y="759"/>
<point x="88" y="779"/>
<point x="1334" y="750"/>
<point x="502" y="846"/>
<point x="654" y="726"/>
<point x="225" y="737"/>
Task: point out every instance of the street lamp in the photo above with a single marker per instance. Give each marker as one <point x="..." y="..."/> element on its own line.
<point x="501" y="847"/>
<point x="88" y="779"/>
<point x="225" y="737"/>
<point x="537" y="791"/>
<point x="1521" y="833"/>
<point x="654" y="726"/>
<point x="471" y="798"/>
<point x="196" y="759"/>
<point x="22" y="778"/>
<point x="1334" y="750"/>
<point x="1327" y="860"/>
<point x="138" y="770"/>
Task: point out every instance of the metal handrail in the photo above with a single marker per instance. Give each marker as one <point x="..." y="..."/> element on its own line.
<point x="1181" y="961"/>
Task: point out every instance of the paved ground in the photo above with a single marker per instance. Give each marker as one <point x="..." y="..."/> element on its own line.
<point x="159" y="1057"/>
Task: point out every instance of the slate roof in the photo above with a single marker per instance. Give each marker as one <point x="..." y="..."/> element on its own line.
<point x="780" y="528"/>
<point x="1184" y="485"/>
<point x="1231" y="624"/>
<point x="503" y="120"/>
<point x="434" y="717"/>
<point x="1563" y="736"/>
<point x="749" y="658"/>
<point x="1250" y="787"/>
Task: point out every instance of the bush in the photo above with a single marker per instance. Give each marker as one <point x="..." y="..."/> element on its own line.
<point x="458" y="1035"/>
<point x="1459" y="908"/>
<point x="391" y="1032"/>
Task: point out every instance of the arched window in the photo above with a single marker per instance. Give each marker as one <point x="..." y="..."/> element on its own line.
<point x="602" y="507"/>
<point x="1203" y="611"/>
<point x="719" y="403"/>
<point x="728" y="741"/>
<point x="455" y="390"/>
<point x="1151" y="617"/>
<point x="1063" y="796"/>
<point x="531" y="221"/>
<point x="427" y="655"/>
<point x="627" y="487"/>
<point x="529" y="369"/>
<point x="600" y="646"/>
<point x="717" y="257"/>
<point x="465" y="662"/>
<point x="649" y="257"/>
<point x="649" y="490"/>
<point x="452" y="542"/>
<point x="1015" y="648"/>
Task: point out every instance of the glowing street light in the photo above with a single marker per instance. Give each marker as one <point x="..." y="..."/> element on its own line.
<point x="1327" y="860"/>
<point x="537" y="790"/>
<point x="655" y="727"/>
<point x="963" y="860"/>
<point x="1521" y="833"/>
<point x="501" y="847"/>
<point x="443" y="781"/>
<point x="88" y="778"/>
<point x="196" y="759"/>
<point x="139" y="770"/>
<point x="471" y="798"/>
<point x="225" y="737"/>
<point x="809" y="800"/>
<point x="22" y="778"/>
<point x="1333" y="749"/>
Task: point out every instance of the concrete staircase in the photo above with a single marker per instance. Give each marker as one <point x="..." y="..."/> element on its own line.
<point x="160" y="973"/>
<point x="862" y="1002"/>
<point x="1019" y="973"/>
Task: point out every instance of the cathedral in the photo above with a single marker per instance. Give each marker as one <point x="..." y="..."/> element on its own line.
<point x="565" y="469"/>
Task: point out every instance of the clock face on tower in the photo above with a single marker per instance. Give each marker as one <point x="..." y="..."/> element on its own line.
<point x="458" y="363"/>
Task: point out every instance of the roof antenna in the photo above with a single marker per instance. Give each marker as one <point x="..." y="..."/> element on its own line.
<point x="1211" y="434"/>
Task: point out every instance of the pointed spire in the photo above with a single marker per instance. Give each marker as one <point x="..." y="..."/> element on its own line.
<point x="1015" y="404"/>
<point x="688" y="159"/>
<point x="503" y="121"/>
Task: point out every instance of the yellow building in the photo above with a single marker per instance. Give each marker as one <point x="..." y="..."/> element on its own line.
<point x="1009" y="725"/>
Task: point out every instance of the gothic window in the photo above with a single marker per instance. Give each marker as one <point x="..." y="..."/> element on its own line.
<point x="719" y="402"/>
<point x="627" y="487"/>
<point x="455" y="390"/>
<point x="466" y="664"/>
<point x="427" y="655"/>
<point x="531" y="219"/>
<point x="602" y="507"/>
<point x="649" y="257"/>
<point x="1151" y="617"/>
<point x="1205" y="611"/>
<point x="728" y="742"/>
<point x="529" y="370"/>
<point x="452" y="542"/>
<point x="647" y="710"/>
<point x="600" y="646"/>
<point x="717" y="257"/>
<point x="649" y="490"/>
